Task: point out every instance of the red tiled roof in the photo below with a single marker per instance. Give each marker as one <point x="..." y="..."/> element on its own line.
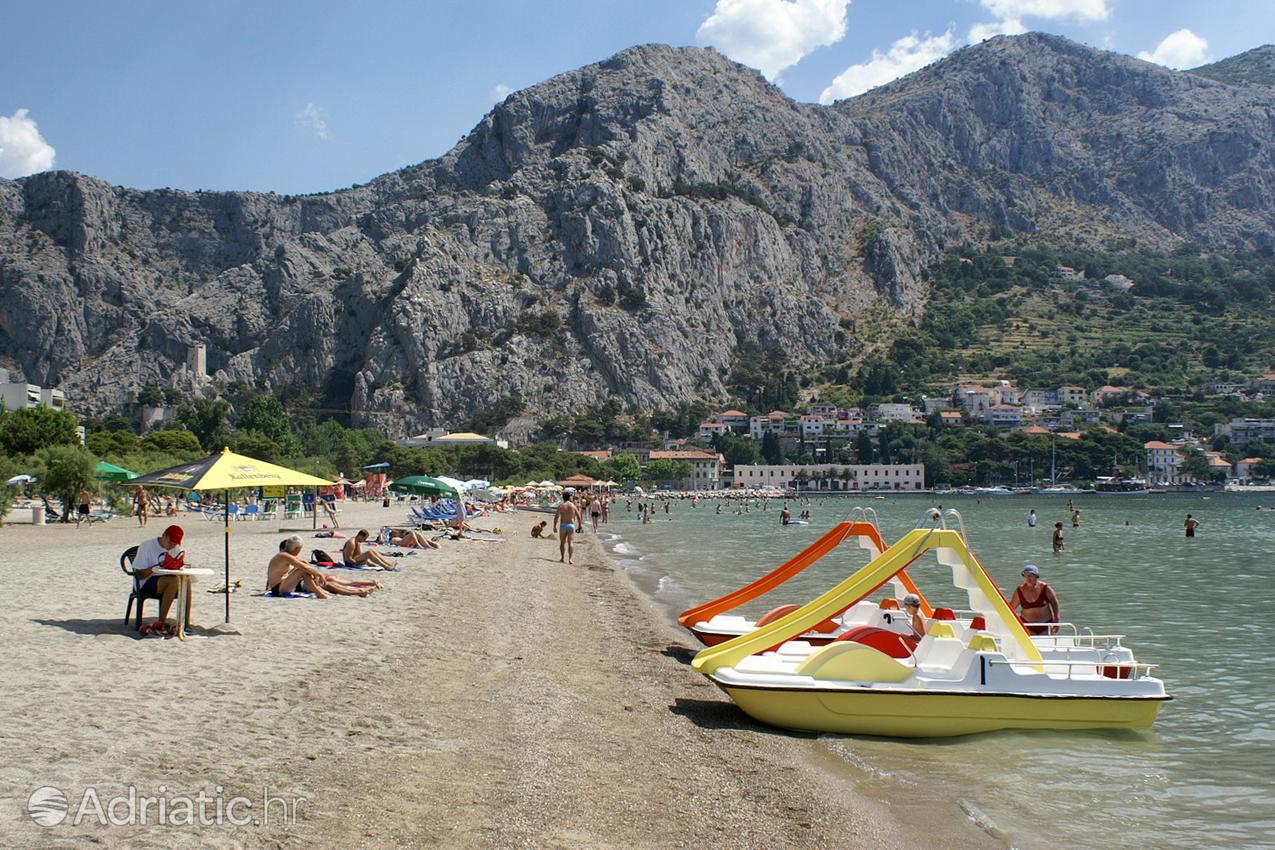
<point x="686" y="454"/>
<point x="1158" y="444"/>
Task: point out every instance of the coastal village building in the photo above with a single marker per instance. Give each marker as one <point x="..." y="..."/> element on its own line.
<point x="1076" y="396"/>
<point x="1162" y="463"/>
<point x="832" y="476"/>
<point x="1004" y="416"/>
<point x="1264" y="385"/>
<point x="706" y="468"/>
<point x="1242" y="431"/>
<point x="19" y="395"/>
<point x="775" y="422"/>
<point x="1246" y="469"/>
<point x="896" y="413"/>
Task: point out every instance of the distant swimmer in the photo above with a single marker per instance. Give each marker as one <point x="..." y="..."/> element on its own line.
<point x="1058" y="537"/>
<point x="1031" y="518"/>
<point x="785" y="516"/>
<point x="1191" y="524"/>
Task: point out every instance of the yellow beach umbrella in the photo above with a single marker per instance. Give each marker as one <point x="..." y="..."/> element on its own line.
<point x="228" y="471"/>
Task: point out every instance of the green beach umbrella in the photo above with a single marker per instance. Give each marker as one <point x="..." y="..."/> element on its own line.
<point x="110" y="472"/>
<point x="423" y="485"/>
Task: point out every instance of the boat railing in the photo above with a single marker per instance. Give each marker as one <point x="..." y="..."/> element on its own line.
<point x="868" y="515"/>
<point x="1137" y="669"/>
<point x="960" y="523"/>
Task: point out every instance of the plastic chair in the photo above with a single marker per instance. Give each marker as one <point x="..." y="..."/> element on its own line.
<point x="126" y="564"/>
<point x="250" y="512"/>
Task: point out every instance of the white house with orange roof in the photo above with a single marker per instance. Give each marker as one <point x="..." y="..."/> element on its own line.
<point x="736" y="420"/>
<point x="706" y="467"/>
<point x="775" y="422"/>
<point x="1246" y="469"/>
<point x="1162" y="462"/>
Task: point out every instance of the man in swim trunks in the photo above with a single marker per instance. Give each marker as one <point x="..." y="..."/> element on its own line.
<point x="354" y="555"/>
<point x="1191" y="524"/>
<point x="595" y="513"/>
<point x="84" y="510"/>
<point x="565" y="523"/>
<point x="785" y="516"/>
<point x="287" y="573"/>
<point x="1037" y="601"/>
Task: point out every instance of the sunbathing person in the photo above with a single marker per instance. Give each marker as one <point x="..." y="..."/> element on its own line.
<point x="287" y="573"/>
<point x="354" y="555"/>
<point x="409" y="538"/>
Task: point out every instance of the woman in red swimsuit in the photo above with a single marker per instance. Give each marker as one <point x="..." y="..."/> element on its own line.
<point x="1037" y="601"/>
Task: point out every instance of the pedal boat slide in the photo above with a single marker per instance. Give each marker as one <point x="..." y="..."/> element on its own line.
<point x="962" y="678"/>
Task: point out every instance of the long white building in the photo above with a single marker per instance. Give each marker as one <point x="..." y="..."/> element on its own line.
<point x="833" y="476"/>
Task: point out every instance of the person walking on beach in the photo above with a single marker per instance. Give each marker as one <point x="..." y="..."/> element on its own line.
<point x="1058" y="538"/>
<point x="84" y="509"/>
<point x="1031" y="518"/>
<point x="1191" y="524"/>
<point x="595" y="513"/>
<point x="565" y="523"/>
<point x="142" y="501"/>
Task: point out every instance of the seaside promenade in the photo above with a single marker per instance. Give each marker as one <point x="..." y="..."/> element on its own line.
<point x="488" y="697"/>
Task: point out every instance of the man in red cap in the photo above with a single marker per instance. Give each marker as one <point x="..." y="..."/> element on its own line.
<point x="164" y="552"/>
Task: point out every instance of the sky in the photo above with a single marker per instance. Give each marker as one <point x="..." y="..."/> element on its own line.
<point x="293" y="97"/>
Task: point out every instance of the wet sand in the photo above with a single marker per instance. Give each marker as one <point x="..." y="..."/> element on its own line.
<point x="489" y="697"/>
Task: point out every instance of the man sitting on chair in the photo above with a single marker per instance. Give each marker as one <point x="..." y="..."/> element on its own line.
<point x="164" y="552"/>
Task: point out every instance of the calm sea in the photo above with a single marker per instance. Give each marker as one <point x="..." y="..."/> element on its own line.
<point x="1204" y="610"/>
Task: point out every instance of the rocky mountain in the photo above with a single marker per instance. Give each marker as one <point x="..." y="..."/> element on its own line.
<point x="622" y="230"/>
<point x="1252" y="67"/>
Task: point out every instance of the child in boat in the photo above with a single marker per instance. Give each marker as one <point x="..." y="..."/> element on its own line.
<point x="912" y="604"/>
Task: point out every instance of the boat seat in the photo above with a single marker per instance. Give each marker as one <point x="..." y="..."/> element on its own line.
<point x="889" y="604"/>
<point x="944" y="614"/>
<point x="852" y="662"/>
<point x="983" y="643"/>
<point x="937" y="652"/>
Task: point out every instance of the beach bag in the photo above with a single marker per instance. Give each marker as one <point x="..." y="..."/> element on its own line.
<point x="321" y="558"/>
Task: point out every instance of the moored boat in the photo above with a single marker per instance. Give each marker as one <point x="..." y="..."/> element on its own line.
<point x="958" y="680"/>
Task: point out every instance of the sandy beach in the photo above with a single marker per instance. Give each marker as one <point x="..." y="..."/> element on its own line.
<point x="488" y="697"/>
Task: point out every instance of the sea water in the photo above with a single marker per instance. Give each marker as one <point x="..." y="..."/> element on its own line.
<point x="1202" y="609"/>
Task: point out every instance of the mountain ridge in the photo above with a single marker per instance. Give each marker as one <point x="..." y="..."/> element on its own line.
<point x="621" y="230"/>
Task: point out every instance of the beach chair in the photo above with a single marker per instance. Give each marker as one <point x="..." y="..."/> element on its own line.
<point x="250" y="512"/>
<point x="136" y="595"/>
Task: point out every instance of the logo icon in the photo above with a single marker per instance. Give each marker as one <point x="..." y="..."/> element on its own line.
<point x="47" y="806"/>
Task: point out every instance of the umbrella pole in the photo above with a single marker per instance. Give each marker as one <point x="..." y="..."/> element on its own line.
<point x="314" y="514"/>
<point x="225" y="504"/>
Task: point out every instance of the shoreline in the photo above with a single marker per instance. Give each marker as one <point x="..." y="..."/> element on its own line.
<point x="489" y="697"/>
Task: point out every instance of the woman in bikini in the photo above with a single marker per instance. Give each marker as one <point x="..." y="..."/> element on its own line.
<point x="1037" y="601"/>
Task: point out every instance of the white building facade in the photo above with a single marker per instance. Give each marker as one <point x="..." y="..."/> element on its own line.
<point x="827" y="477"/>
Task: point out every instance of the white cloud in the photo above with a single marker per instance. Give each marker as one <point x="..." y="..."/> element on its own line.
<point x="1181" y="49"/>
<point x="312" y="118"/>
<point x="906" y="55"/>
<point x="23" y="150"/>
<point x="1082" y="10"/>
<point x="500" y="91"/>
<point x="982" y="32"/>
<point x="772" y="35"/>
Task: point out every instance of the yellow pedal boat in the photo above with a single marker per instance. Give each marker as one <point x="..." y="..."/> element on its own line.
<point x="958" y="681"/>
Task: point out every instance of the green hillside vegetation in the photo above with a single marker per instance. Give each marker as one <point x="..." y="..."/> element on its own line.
<point x="1252" y="67"/>
<point x="1002" y="313"/>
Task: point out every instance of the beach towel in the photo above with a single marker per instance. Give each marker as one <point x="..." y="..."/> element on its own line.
<point x="268" y="595"/>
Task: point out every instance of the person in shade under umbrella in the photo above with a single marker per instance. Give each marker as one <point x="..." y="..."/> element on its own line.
<point x="163" y="552"/>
